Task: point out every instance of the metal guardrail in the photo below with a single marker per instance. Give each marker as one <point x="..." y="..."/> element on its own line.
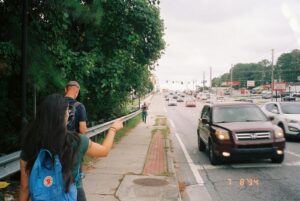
<point x="9" y="164"/>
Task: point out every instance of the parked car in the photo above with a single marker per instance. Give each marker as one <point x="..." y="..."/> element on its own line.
<point x="238" y="129"/>
<point x="190" y="103"/>
<point x="172" y="102"/>
<point x="287" y="96"/>
<point x="286" y="115"/>
<point x="266" y="95"/>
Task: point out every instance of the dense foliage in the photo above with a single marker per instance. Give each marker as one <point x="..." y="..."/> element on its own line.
<point x="286" y="69"/>
<point x="109" y="47"/>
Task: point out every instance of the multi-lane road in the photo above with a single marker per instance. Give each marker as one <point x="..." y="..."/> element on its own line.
<point x="256" y="180"/>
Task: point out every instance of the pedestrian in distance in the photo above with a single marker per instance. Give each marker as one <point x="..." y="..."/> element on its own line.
<point x="49" y="131"/>
<point x="77" y="113"/>
<point x="144" y="112"/>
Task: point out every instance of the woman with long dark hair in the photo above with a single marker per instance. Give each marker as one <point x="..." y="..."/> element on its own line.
<point x="48" y="131"/>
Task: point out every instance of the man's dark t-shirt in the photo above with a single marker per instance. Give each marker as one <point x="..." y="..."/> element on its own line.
<point x="80" y="114"/>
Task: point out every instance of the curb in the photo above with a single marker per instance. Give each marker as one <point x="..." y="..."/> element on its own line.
<point x="170" y="162"/>
<point x="169" y="156"/>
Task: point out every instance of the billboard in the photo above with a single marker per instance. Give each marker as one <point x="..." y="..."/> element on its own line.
<point x="250" y="83"/>
<point x="229" y="83"/>
<point x="279" y="86"/>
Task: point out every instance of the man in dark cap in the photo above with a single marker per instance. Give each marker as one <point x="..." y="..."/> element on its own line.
<point x="77" y="113"/>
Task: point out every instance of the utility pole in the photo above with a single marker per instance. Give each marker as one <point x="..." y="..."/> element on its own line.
<point x="210" y="74"/>
<point x="272" y="78"/>
<point x="203" y="81"/>
<point x="231" y="69"/>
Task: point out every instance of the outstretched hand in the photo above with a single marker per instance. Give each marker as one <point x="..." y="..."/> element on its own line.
<point x="118" y="124"/>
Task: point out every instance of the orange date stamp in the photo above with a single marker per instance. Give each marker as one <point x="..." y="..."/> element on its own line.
<point x="244" y="182"/>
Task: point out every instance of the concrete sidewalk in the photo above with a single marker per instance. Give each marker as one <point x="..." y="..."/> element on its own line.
<point x="121" y="175"/>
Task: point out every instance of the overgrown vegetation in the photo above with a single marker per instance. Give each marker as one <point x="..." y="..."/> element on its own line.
<point x="109" y="47"/>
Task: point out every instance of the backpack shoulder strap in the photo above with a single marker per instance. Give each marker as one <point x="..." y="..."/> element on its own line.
<point x="42" y="153"/>
<point x="77" y="103"/>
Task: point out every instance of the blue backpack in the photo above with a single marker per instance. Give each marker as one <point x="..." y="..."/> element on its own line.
<point x="46" y="180"/>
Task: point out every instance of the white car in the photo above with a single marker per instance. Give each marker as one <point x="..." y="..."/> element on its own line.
<point x="172" y="102"/>
<point x="286" y="115"/>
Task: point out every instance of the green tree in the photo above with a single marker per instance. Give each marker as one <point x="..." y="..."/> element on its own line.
<point x="288" y="66"/>
<point x="109" y="47"/>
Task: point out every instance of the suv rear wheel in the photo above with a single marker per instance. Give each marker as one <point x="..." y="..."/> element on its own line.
<point x="201" y="144"/>
<point x="214" y="159"/>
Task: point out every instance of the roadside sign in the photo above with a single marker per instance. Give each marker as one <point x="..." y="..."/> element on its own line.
<point x="279" y="86"/>
<point x="250" y="83"/>
<point x="229" y="83"/>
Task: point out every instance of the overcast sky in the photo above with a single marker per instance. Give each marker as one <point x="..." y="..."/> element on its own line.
<point x="217" y="33"/>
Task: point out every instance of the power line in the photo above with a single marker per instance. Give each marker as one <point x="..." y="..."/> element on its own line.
<point x="269" y="70"/>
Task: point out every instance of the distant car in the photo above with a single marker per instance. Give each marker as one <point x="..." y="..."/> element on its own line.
<point x="286" y="115"/>
<point x="296" y="94"/>
<point x="266" y="95"/>
<point x="172" y="102"/>
<point x="190" y="103"/>
<point x="203" y="97"/>
<point x="179" y="99"/>
<point x="284" y="94"/>
<point x="227" y="93"/>
<point x="287" y="96"/>
<point x="244" y="100"/>
<point x="238" y="130"/>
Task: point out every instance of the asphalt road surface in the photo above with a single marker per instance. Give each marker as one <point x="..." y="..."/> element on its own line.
<point x="254" y="180"/>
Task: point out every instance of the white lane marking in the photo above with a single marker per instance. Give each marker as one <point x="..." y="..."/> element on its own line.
<point x="292" y="153"/>
<point x="193" y="167"/>
<point x="172" y="123"/>
<point x="297" y="163"/>
<point x="165" y="109"/>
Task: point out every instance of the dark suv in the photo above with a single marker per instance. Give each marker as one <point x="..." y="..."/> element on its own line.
<point x="238" y="129"/>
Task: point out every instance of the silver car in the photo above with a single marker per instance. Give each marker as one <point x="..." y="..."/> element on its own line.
<point x="286" y="115"/>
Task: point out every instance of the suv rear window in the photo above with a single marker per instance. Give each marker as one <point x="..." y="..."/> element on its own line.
<point x="242" y="113"/>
